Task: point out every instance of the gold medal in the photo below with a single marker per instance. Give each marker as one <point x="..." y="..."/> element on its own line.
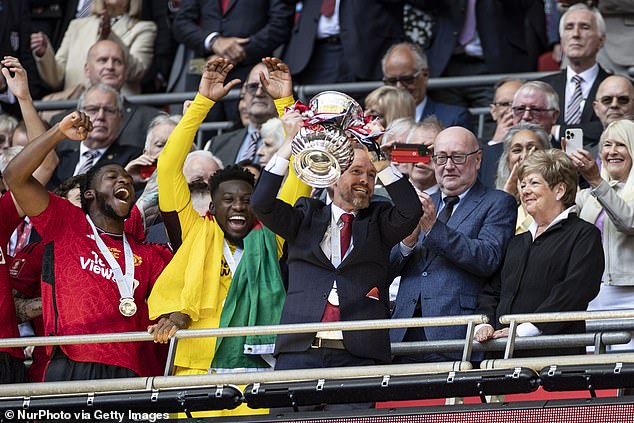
<point x="127" y="307"/>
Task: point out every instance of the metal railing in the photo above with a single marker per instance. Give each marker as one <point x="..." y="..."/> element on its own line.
<point x="466" y="346"/>
<point x="514" y="319"/>
<point x="304" y="92"/>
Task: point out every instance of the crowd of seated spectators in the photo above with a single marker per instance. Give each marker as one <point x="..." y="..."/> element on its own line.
<point x="477" y="219"/>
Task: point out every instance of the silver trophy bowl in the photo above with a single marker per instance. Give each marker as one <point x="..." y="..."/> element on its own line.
<point x="321" y="156"/>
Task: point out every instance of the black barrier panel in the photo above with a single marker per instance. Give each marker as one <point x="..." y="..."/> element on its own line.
<point x="158" y="401"/>
<point x="587" y="377"/>
<point x="392" y="388"/>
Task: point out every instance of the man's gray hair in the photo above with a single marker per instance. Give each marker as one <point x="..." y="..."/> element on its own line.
<point x="104" y="88"/>
<point x="420" y="59"/>
<point x="552" y="98"/>
<point x="598" y="18"/>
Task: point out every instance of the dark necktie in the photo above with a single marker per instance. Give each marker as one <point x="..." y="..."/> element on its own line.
<point x="445" y="213"/>
<point x="328" y="7"/>
<point x="331" y="312"/>
<point x="249" y="153"/>
<point x="90" y="156"/>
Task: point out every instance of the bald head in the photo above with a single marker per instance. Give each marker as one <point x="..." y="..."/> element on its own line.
<point x="451" y="147"/>
<point x="614" y="100"/>
<point x="105" y="64"/>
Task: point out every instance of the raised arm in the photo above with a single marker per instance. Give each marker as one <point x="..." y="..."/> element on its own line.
<point x="18" y="83"/>
<point x="173" y="190"/>
<point x="28" y="193"/>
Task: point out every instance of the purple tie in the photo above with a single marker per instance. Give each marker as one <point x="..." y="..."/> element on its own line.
<point x="469" y="28"/>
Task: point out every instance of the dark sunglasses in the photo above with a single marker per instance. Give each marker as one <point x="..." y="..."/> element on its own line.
<point x="606" y="100"/>
<point x="405" y="80"/>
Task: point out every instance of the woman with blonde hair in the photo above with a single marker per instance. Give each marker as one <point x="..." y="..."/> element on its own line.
<point x="389" y="103"/>
<point x="116" y="20"/>
<point x="609" y="205"/>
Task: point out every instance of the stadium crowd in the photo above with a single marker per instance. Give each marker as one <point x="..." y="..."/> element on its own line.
<point x="112" y="220"/>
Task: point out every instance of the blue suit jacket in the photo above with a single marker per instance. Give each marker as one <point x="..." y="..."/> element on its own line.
<point x="450" y="265"/>
<point x="448" y="114"/>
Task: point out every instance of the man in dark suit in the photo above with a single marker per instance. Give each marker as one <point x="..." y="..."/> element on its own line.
<point x="405" y="67"/>
<point x="343" y="43"/>
<point x="15" y="36"/>
<point x="243" y="143"/>
<point x="105" y="64"/>
<point x="242" y="31"/>
<point x="338" y="257"/>
<point x="481" y="37"/>
<point x="582" y="33"/>
<point x="451" y="254"/>
<point x="103" y="105"/>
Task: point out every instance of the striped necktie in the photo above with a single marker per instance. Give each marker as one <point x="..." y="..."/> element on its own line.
<point x="90" y="157"/>
<point x="573" y="109"/>
<point x="84" y="10"/>
<point x="249" y="153"/>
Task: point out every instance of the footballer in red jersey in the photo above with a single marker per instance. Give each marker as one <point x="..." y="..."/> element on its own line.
<point x="95" y="279"/>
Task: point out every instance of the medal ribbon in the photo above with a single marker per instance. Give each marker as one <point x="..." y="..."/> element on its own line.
<point x="124" y="282"/>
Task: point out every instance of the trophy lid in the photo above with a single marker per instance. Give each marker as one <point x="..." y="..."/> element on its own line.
<point x="337" y="104"/>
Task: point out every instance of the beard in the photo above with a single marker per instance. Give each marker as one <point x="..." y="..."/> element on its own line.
<point x="104" y="207"/>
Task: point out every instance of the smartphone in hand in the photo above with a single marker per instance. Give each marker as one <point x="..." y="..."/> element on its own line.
<point x="573" y="138"/>
<point x="410" y="153"/>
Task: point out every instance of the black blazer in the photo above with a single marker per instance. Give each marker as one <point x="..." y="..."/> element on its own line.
<point x="15" y="40"/>
<point x="590" y="123"/>
<point x="68" y="160"/>
<point x="368" y="29"/>
<point x="267" y="24"/>
<point x="226" y="146"/>
<point x="504" y="27"/>
<point x="311" y="274"/>
<point x="560" y="271"/>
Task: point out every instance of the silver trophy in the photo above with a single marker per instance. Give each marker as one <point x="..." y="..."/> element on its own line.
<point x="323" y="149"/>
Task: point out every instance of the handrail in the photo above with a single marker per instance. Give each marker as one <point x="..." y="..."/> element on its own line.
<point x="514" y="319"/>
<point x="566" y="316"/>
<point x="307" y="90"/>
<point x="248" y="330"/>
<point x="159" y="382"/>
<point x="538" y="363"/>
<point x="526" y="343"/>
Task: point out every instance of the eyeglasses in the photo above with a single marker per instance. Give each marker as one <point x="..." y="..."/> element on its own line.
<point x="607" y="100"/>
<point x="405" y="80"/>
<point x="252" y="87"/>
<point x="456" y="158"/>
<point x="93" y="110"/>
<point x="502" y="104"/>
<point x="520" y="110"/>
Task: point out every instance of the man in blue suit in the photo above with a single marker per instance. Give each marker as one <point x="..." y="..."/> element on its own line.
<point x="405" y="67"/>
<point x="445" y="262"/>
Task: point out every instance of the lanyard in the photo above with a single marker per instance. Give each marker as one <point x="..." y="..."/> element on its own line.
<point x="232" y="259"/>
<point x="124" y="282"/>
